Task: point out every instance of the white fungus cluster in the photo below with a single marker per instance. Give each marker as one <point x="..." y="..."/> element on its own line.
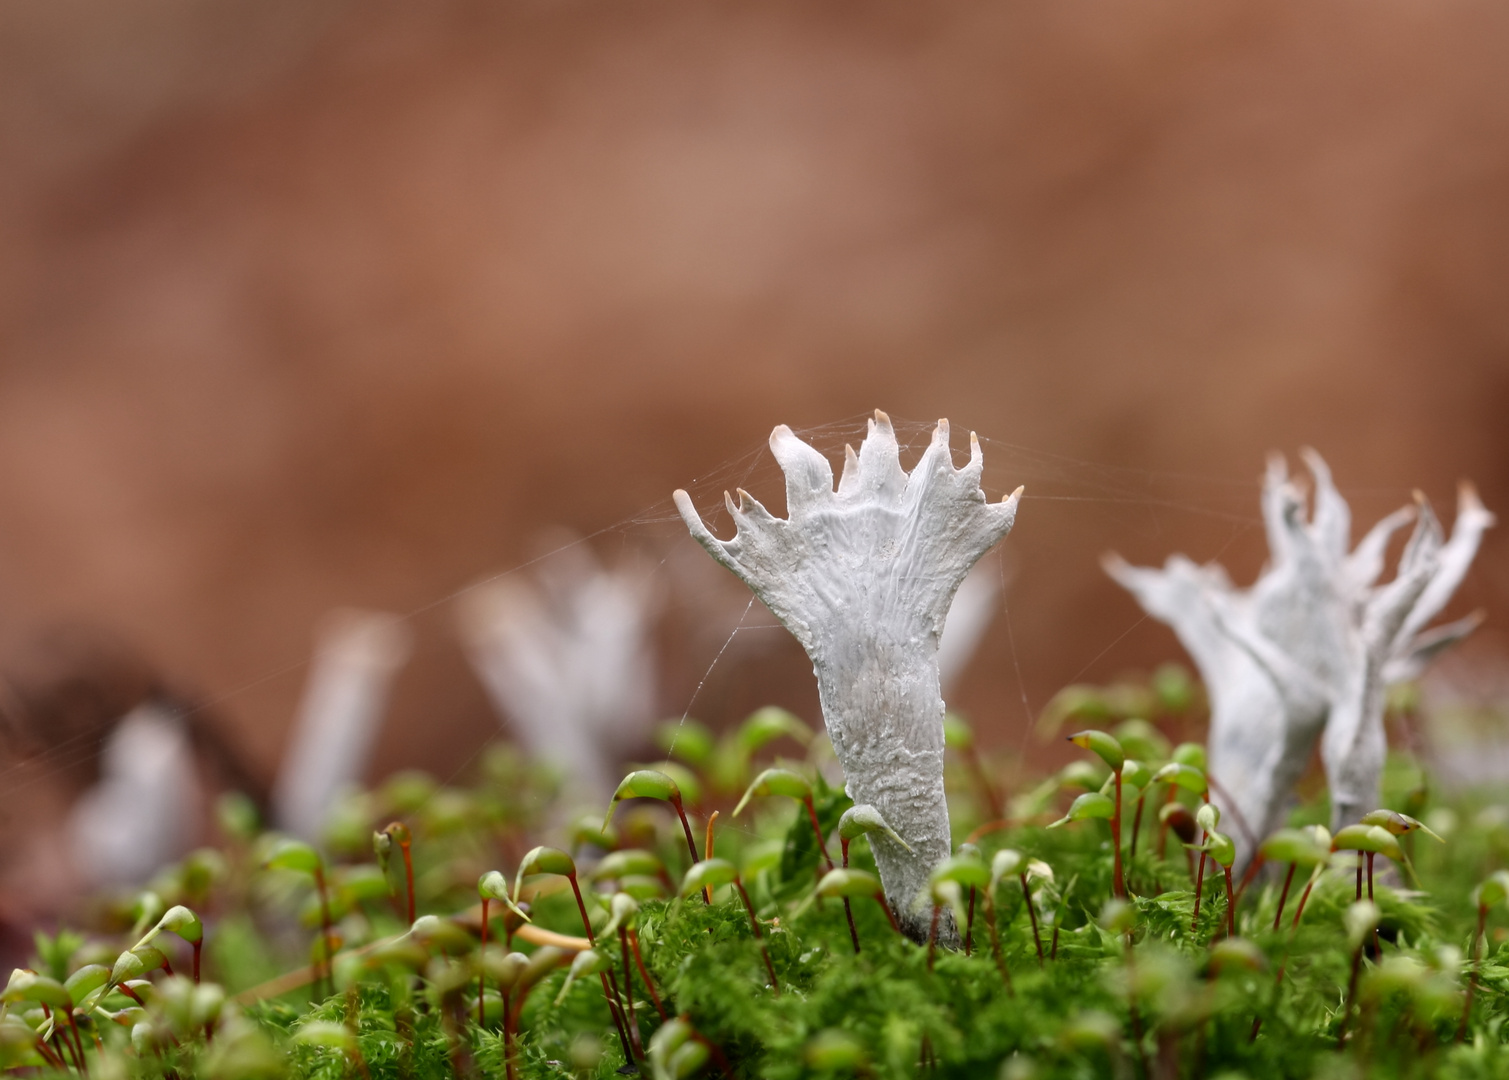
<point x="1308" y="651"/>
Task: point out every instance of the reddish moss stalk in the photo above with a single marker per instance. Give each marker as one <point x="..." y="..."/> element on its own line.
<point x="1137" y="823"/>
<point x="754" y="924"/>
<point x="610" y="991"/>
<point x="1278" y="980"/>
<point x="1118" y="886"/>
<point x="1194" y="923"/>
<point x="1303" y="898"/>
<point x="848" y="908"/>
<point x="686" y="828"/>
<point x="1283" y="896"/>
<point x="482" y="974"/>
<point x="817" y="831"/>
<point x="995" y="946"/>
<point x="1346" y="1009"/>
<point x="49" y="1052"/>
<point x="1472" y="982"/>
<point x="1037" y="938"/>
<point x="618" y="1020"/>
<point x="707" y="846"/>
<point x="623" y="944"/>
<point x="1231" y="905"/>
<point x="992" y="797"/>
<point x="645" y="975"/>
<point x="326" y="935"/>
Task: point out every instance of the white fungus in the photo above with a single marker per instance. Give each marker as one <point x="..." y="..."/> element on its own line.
<point x="1308" y="651"/>
<point x="569" y="659"/>
<point x="863" y="577"/>
<point x="356" y="658"/>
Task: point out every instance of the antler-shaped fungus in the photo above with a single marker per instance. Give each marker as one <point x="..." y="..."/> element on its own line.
<point x="863" y="577"/>
<point x="1308" y="651"/>
<point x="569" y="659"/>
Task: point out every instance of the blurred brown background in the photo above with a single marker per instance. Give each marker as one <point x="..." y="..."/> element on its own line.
<point x="305" y="304"/>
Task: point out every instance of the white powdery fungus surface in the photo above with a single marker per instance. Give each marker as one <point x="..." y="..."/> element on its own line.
<point x="1309" y="650"/>
<point x="863" y="577"/>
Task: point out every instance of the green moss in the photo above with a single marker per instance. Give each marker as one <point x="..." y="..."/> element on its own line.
<point x="1164" y="1001"/>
